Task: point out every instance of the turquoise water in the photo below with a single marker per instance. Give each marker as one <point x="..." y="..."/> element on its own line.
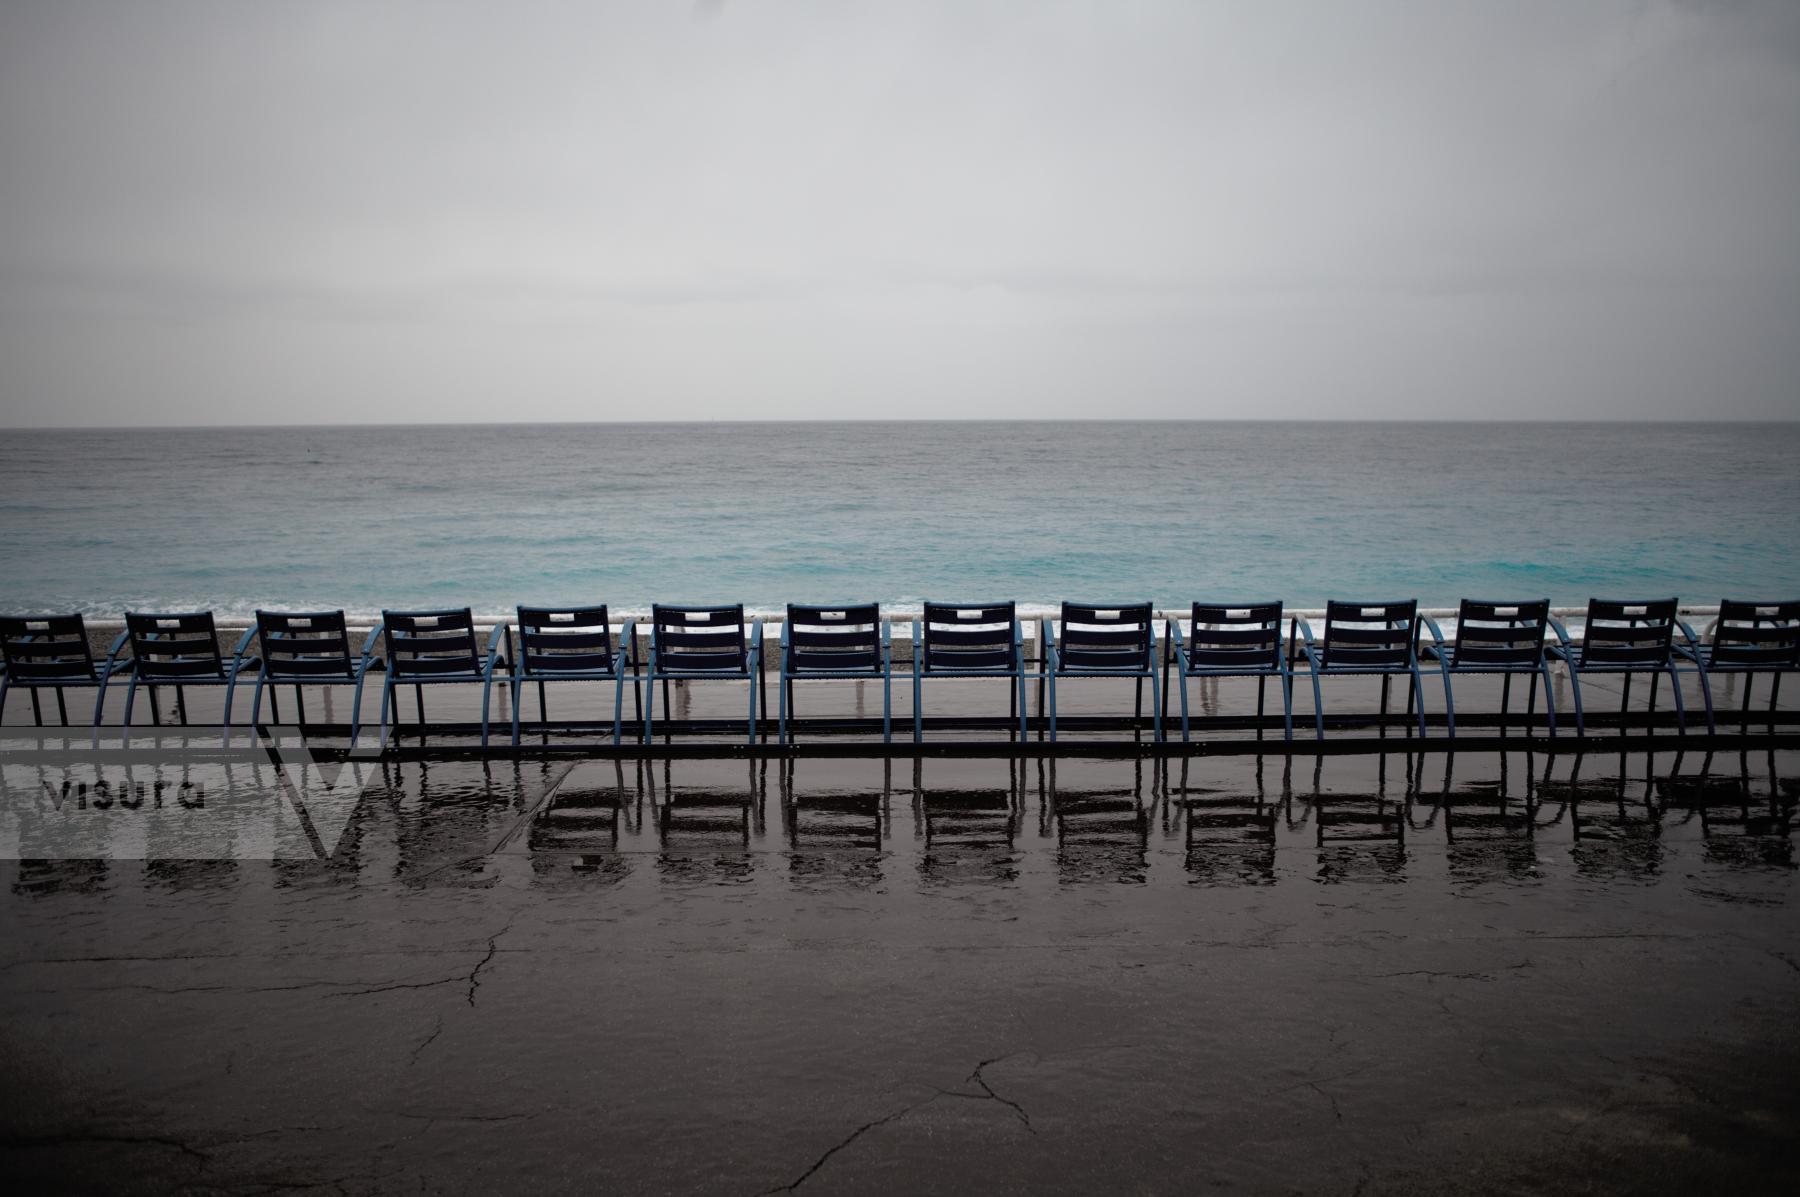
<point x="489" y="517"/>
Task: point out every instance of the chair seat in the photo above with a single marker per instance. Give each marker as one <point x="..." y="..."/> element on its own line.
<point x="1476" y="663"/>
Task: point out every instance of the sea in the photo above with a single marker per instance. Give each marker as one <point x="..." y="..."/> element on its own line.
<point x="365" y="518"/>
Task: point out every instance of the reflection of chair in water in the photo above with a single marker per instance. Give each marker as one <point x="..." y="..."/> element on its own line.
<point x="1102" y="834"/>
<point x="1729" y="807"/>
<point x="834" y="836"/>
<point x="969" y="833"/>
<point x="1361" y="837"/>
<point x="1489" y="832"/>
<point x="1229" y="834"/>
<point x="1614" y="821"/>
<point x="577" y="832"/>
<point x="703" y="830"/>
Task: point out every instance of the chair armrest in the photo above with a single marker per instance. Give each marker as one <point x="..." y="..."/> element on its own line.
<point x="112" y="654"/>
<point x="918" y="646"/>
<point x="628" y="641"/>
<point x="369" y="643"/>
<point x="243" y="646"/>
<point x="494" y="647"/>
<point x="502" y="634"/>
<point x="1562" y="633"/>
<point x="1692" y="651"/>
<point x="887" y="645"/>
<point x="756" y="642"/>
<point x="1436" y="647"/>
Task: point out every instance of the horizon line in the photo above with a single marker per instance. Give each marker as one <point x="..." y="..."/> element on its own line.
<point x="872" y="420"/>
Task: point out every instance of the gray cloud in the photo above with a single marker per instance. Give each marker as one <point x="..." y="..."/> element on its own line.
<point x="229" y="212"/>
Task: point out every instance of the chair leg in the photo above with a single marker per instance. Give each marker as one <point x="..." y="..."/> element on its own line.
<point x="887" y="708"/>
<point x="1575" y="689"/>
<point x="518" y="689"/>
<point x="130" y="698"/>
<point x="1506" y="703"/>
<point x="1549" y="698"/>
<point x="1712" y="724"/>
<point x="1318" y="703"/>
<point x="1262" y="686"/>
<point x="1744" y="711"/>
<point x="389" y="704"/>
<point x="782" y="692"/>
<point x="1021" y="700"/>
<point x="487" y="695"/>
<point x="37" y="711"/>
<point x="918" y="703"/>
<point x="62" y="707"/>
<point x="1774" y="694"/>
<point x="356" y="710"/>
<point x="1012" y="705"/>
<point x="1450" y="703"/>
<point x="256" y="706"/>
<point x="1287" y="708"/>
<point x="754" y="687"/>
<point x="1183" y="682"/>
<point x="1680" y="703"/>
<point x="419" y="702"/>
<point x="1156" y="709"/>
<point x="1053" y="708"/>
<point x="1418" y="688"/>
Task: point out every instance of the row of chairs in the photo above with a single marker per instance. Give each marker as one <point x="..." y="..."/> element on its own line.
<point x="853" y="642"/>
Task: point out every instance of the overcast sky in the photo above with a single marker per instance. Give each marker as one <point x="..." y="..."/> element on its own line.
<point x="651" y="209"/>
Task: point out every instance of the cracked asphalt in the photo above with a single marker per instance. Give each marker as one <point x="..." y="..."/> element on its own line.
<point x="1477" y="974"/>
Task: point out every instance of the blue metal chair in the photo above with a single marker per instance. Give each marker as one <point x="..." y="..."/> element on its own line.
<point x="430" y="648"/>
<point x="40" y="652"/>
<point x="179" y="649"/>
<point x="696" y="643"/>
<point x="970" y="640"/>
<point x="1104" y="640"/>
<point x="1227" y="640"/>
<point x="1626" y="638"/>
<point x="573" y="644"/>
<point x="303" y="648"/>
<point x="1366" y="639"/>
<point x="820" y="643"/>
<point x="1748" y="638"/>
<point x="1494" y="637"/>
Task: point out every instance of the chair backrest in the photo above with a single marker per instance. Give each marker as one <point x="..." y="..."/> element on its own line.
<point x="977" y="636"/>
<point x="1100" y="636"/>
<point x="836" y="638"/>
<point x="176" y="647"/>
<point x="46" y="648"/>
<point x="565" y="640"/>
<point x="1494" y="633"/>
<point x="1235" y="637"/>
<point x="426" y="644"/>
<point x="700" y="639"/>
<point x="1766" y="634"/>
<point x="1371" y="635"/>
<point x="1624" y="633"/>
<point x="304" y="644"/>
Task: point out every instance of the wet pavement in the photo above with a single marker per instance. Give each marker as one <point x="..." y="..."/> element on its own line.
<point x="1364" y="974"/>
